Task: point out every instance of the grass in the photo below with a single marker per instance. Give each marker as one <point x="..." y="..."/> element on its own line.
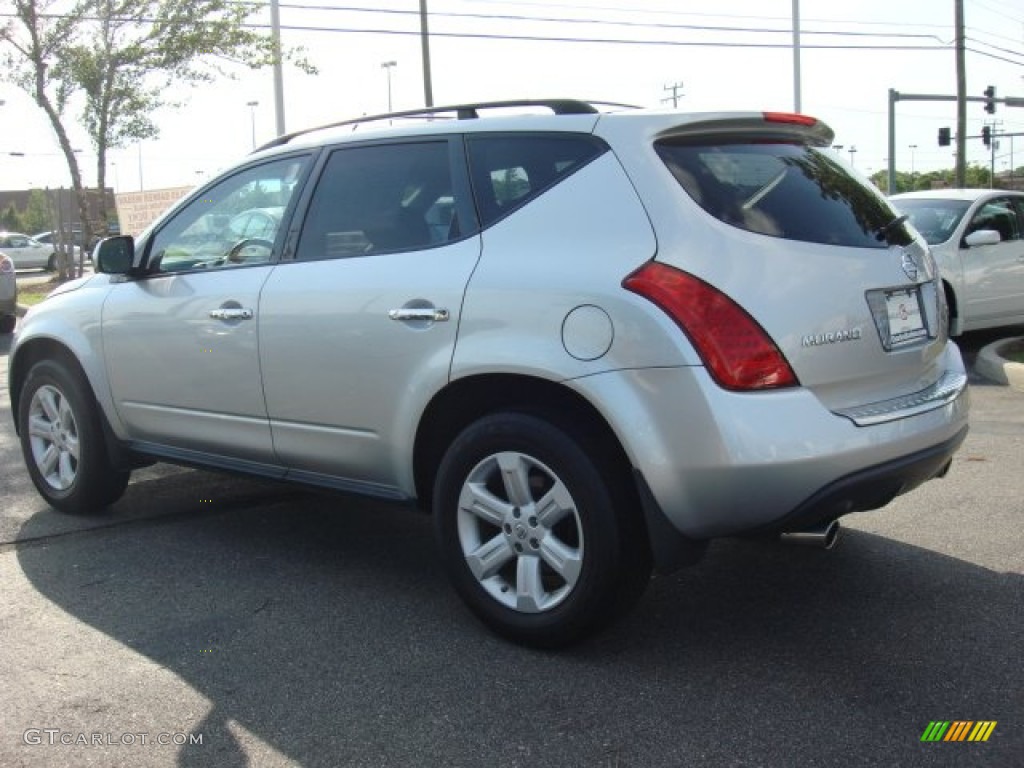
<point x="36" y="292"/>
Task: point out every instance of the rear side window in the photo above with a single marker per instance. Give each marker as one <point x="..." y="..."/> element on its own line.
<point x="784" y="190"/>
<point x="509" y="170"/>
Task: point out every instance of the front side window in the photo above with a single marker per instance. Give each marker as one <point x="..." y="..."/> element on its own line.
<point x="234" y="222"/>
<point x="786" y="190"/>
<point x="998" y="215"/>
<point x="509" y="170"/>
<point x="381" y="199"/>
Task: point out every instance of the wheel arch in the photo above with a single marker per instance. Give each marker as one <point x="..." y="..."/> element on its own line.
<point x="466" y="400"/>
<point x="953" y="307"/>
<point x="32" y="352"/>
<point x="46" y="348"/>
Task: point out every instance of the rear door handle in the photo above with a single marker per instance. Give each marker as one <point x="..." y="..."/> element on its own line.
<point x="432" y="314"/>
<point x="231" y="313"/>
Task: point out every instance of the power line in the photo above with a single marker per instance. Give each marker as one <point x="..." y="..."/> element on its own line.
<point x="601" y="22"/>
<point x="996" y="47"/>
<point x="548" y="38"/>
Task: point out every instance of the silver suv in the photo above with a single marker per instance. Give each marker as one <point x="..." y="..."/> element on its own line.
<point x="588" y="342"/>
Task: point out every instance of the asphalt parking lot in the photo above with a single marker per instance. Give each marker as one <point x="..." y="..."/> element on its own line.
<point x="214" y="621"/>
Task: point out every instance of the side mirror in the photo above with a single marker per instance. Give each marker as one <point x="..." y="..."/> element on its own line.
<point x="115" y="255"/>
<point x="982" y="237"/>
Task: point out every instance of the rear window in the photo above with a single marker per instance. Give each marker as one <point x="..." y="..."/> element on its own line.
<point x="784" y="190"/>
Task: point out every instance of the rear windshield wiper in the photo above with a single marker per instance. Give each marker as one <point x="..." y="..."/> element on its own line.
<point x="883" y="232"/>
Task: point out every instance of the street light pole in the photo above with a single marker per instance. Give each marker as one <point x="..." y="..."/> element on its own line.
<point x="912" y="147"/>
<point x="252" y="114"/>
<point x="386" y="66"/>
<point x="852" y="150"/>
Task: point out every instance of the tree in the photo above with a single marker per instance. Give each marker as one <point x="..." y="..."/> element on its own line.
<point x="10" y="220"/>
<point x="37" y="216"/>
<point x="33" y="42"/>
<point x="141" y="47"/>
<point x="121" y="56"/>
<point x="976" y="176"/>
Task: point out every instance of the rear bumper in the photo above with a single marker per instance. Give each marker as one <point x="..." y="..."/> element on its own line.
<point x="870" y="488"/>
<point x="721" y="463"/>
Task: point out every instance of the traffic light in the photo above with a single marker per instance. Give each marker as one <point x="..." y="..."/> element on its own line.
<point x="943" y="137"/>
<point x="990" y="96"/>
<point x="986" y="135"/>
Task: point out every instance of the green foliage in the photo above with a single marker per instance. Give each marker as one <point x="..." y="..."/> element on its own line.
<point x="37" y="216"/>
<point x="10" y="220"/>
<point x="975" y="176"/>
<point x="136" y="49"/>
<point x="118" y="58"/>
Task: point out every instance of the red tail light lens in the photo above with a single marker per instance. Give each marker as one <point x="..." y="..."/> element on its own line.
<point x="735" y="349"/>
<point x="788" y="117"/>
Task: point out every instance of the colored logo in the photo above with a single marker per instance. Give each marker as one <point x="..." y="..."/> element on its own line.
<point x="958" y="730"/>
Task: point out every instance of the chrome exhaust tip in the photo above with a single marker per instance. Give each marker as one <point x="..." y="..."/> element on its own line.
<point x="822" y="536"/>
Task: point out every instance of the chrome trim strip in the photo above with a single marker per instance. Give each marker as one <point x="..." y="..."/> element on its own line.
<point x="942" y="392"/>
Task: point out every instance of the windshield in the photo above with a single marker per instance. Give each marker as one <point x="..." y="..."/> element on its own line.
<point x="935" y="219"/>
<point x="784" y="190"/>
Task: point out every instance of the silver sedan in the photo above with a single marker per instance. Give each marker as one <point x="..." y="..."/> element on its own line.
<point x="27" y="253"/>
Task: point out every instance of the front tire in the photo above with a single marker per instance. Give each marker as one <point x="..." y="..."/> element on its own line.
<point x="62" y="441"/>
<point x="535" y="534"/>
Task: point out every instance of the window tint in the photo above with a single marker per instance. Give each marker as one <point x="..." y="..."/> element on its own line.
<point x="382" y="198"/>
<point x="509" y="170"/>
<point x="234" y="222"/>
<point x="783" y="190"/>
<point x="998" y="215"/>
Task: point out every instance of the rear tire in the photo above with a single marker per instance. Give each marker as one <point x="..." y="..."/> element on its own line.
<point x="62" y="441"/>
<point x="535" y="534"/>
<point x="51" y="263"/>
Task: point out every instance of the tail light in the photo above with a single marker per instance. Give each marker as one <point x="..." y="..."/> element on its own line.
<point x="736" y="350"/>
<point x="789" y="117"/>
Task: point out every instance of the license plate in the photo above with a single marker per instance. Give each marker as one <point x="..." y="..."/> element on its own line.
<point x="906" y="324"/>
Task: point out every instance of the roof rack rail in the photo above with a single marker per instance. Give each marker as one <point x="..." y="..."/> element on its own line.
<point x="462" y="112"/>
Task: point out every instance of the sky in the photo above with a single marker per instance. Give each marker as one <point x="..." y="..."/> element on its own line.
<point x="717" y="54"/>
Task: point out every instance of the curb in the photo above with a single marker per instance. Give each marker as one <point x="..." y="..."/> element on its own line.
<point x="993" y="366"/>
<point x="20" y="310"/>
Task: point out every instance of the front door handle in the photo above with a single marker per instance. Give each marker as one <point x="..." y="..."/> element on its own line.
<point x="431" y="314"/>
<point x="231" y="313"/>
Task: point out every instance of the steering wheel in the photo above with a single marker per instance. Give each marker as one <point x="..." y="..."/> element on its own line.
<point x="235" y="255"/>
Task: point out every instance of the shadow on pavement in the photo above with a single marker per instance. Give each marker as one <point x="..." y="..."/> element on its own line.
<point x="336" y="640"/>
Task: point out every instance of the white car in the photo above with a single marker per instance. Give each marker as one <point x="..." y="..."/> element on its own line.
<point x="977" y="238"/>
<point x="27" y="252"/>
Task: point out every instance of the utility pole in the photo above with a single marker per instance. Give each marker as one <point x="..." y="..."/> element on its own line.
<point x="796" y="56"/>
<point x="675" y="88"/>
<point x="428" y="88"/>
<point x="961" y="99"/>
<point x="275" y="33"/>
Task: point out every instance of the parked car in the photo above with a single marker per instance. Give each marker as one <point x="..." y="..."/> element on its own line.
<point x="8" y="295"/>
<point x="79" y="246"/>
<point x="977" y="238"/>
<point x="27" y="252"/>
<point x="587" y="342"/>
